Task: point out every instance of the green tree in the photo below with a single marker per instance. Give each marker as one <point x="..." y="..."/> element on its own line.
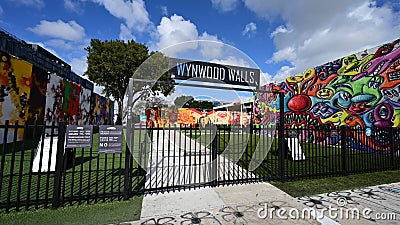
<point x="112" y="63"/>
<point x="182" y="101"/>
<point x="189" y="102"/>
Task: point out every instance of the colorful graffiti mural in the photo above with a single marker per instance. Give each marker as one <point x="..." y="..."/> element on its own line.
<point x="164" y="117"/>
<point x="70" y="104"/>
<point x="15" y="89"/>
<point x="37" y="100"/>
<point x="101" y="110"/>
<point x="84" y="106"/>
<point x="360" y="91"/>
<point x="31" y="94"/>
<point x="54" y="100"/>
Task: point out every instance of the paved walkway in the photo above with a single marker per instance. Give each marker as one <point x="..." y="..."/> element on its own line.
<point x="247" y="204"/>
<point x="177" y="160"/>
<point x="255" y="203"/>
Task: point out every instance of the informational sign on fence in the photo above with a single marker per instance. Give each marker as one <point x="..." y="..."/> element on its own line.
<point x="110" y="139"/>
<point x="79" y="136"/>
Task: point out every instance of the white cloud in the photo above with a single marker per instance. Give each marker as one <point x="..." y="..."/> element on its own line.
<point x="314" y="32"/>
<point x="250" y="29"/>
<point x="175" y="30"/>
<point x="287" y="54"/>
<point x="59" y="43"/>
<point x="265" y="78"/>
<point x="98" y="89"/>
<point x="177" y="35"/>
<point x="126" y="33"/>
<point x="73" y="6"/>
<point x="279" y="30"/>
<point x="164" y="10"/>
<point x="233" y="61"/>
<point x="132" y="12"/>
<point x="210" y="47"/>
<point x="79" y="65"/>
<point x="225" y="5"/>
<point x="283" y="73"/>
<point x="30" y="3"/>
<point x="70" y="31"/>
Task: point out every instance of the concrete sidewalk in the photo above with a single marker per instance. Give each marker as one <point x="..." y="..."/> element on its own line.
<point x="248" y="203"/>
<point x="177" y="160"/>
<point x="236" y="204"/>
<point x="254" y="203"/>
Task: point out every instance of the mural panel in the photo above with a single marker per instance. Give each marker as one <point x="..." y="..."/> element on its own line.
<point x="101" y="111"/>
<point x="360" y="91"/>
<point x="15" y="85"/>
<point x="37" y="100"/>
<point x="84" y="106"/>
<point x="70" y="105"/>
<point x="54" y="101"/>
<point x="188" y="116"/>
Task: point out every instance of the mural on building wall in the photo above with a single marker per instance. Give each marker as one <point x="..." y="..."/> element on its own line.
<point x="188" y="116"/>
<point x="15" y="85"/>
<point x="101" y="110"/>
<point x="361" y="91"/>
<point x="152" y="117"/>
<point x="29" y="93"/>
<point x="70" y="106"/>
<point x="170" y="116"/>
<point x="222" y="117"/>
<point x="54" y="100"/>
<point x="84" y="106"/>
<point x="37" y="100"/>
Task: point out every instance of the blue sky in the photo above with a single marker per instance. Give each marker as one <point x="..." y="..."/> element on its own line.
<point x="282" y="37"/>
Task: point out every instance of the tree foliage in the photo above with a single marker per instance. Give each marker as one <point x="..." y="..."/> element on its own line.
<point x="189" y="102"/>
<point x="112" y="63"/>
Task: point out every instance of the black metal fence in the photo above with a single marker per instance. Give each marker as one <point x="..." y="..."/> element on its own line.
<point x="38" y="171"/>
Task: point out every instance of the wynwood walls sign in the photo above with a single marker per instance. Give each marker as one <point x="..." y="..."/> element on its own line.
<point x="215" y="73"/>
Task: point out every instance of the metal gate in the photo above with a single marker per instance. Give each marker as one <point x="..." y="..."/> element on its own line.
<point x="176" y="158"/>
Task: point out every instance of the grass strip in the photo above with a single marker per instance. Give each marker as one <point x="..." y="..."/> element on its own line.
<point x="102" y="213"/>
<point x="298" y="188"/>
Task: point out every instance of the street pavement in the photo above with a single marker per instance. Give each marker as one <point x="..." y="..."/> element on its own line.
<point x="251" y="203"/>
<point x="262" y="203"/>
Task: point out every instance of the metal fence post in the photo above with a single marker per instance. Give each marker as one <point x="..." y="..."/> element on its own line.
<point x="127" y="186"/>
<point x="59" y="164"/>
<point x="129" y="144"/>
<point x="281" y="141"/>
<point x="343" y="130"/>
<point x="392" y="147"/>
<point x="214" y="165"/>
<point x="128" y="158"/>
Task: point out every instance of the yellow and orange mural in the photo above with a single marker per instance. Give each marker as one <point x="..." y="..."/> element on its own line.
<point x="164" y="117"/>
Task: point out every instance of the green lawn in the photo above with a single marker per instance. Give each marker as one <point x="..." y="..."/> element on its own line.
<point x="298" y="188"/>
<point x="321" y="160"/>
<point x="100" y="176"/>
<point x="111" y="172"/>
<point x="102" y="213"/>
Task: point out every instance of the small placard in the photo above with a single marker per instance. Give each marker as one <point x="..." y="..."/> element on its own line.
<point x="79" y="136"/>
<point x="110" y="139"/>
